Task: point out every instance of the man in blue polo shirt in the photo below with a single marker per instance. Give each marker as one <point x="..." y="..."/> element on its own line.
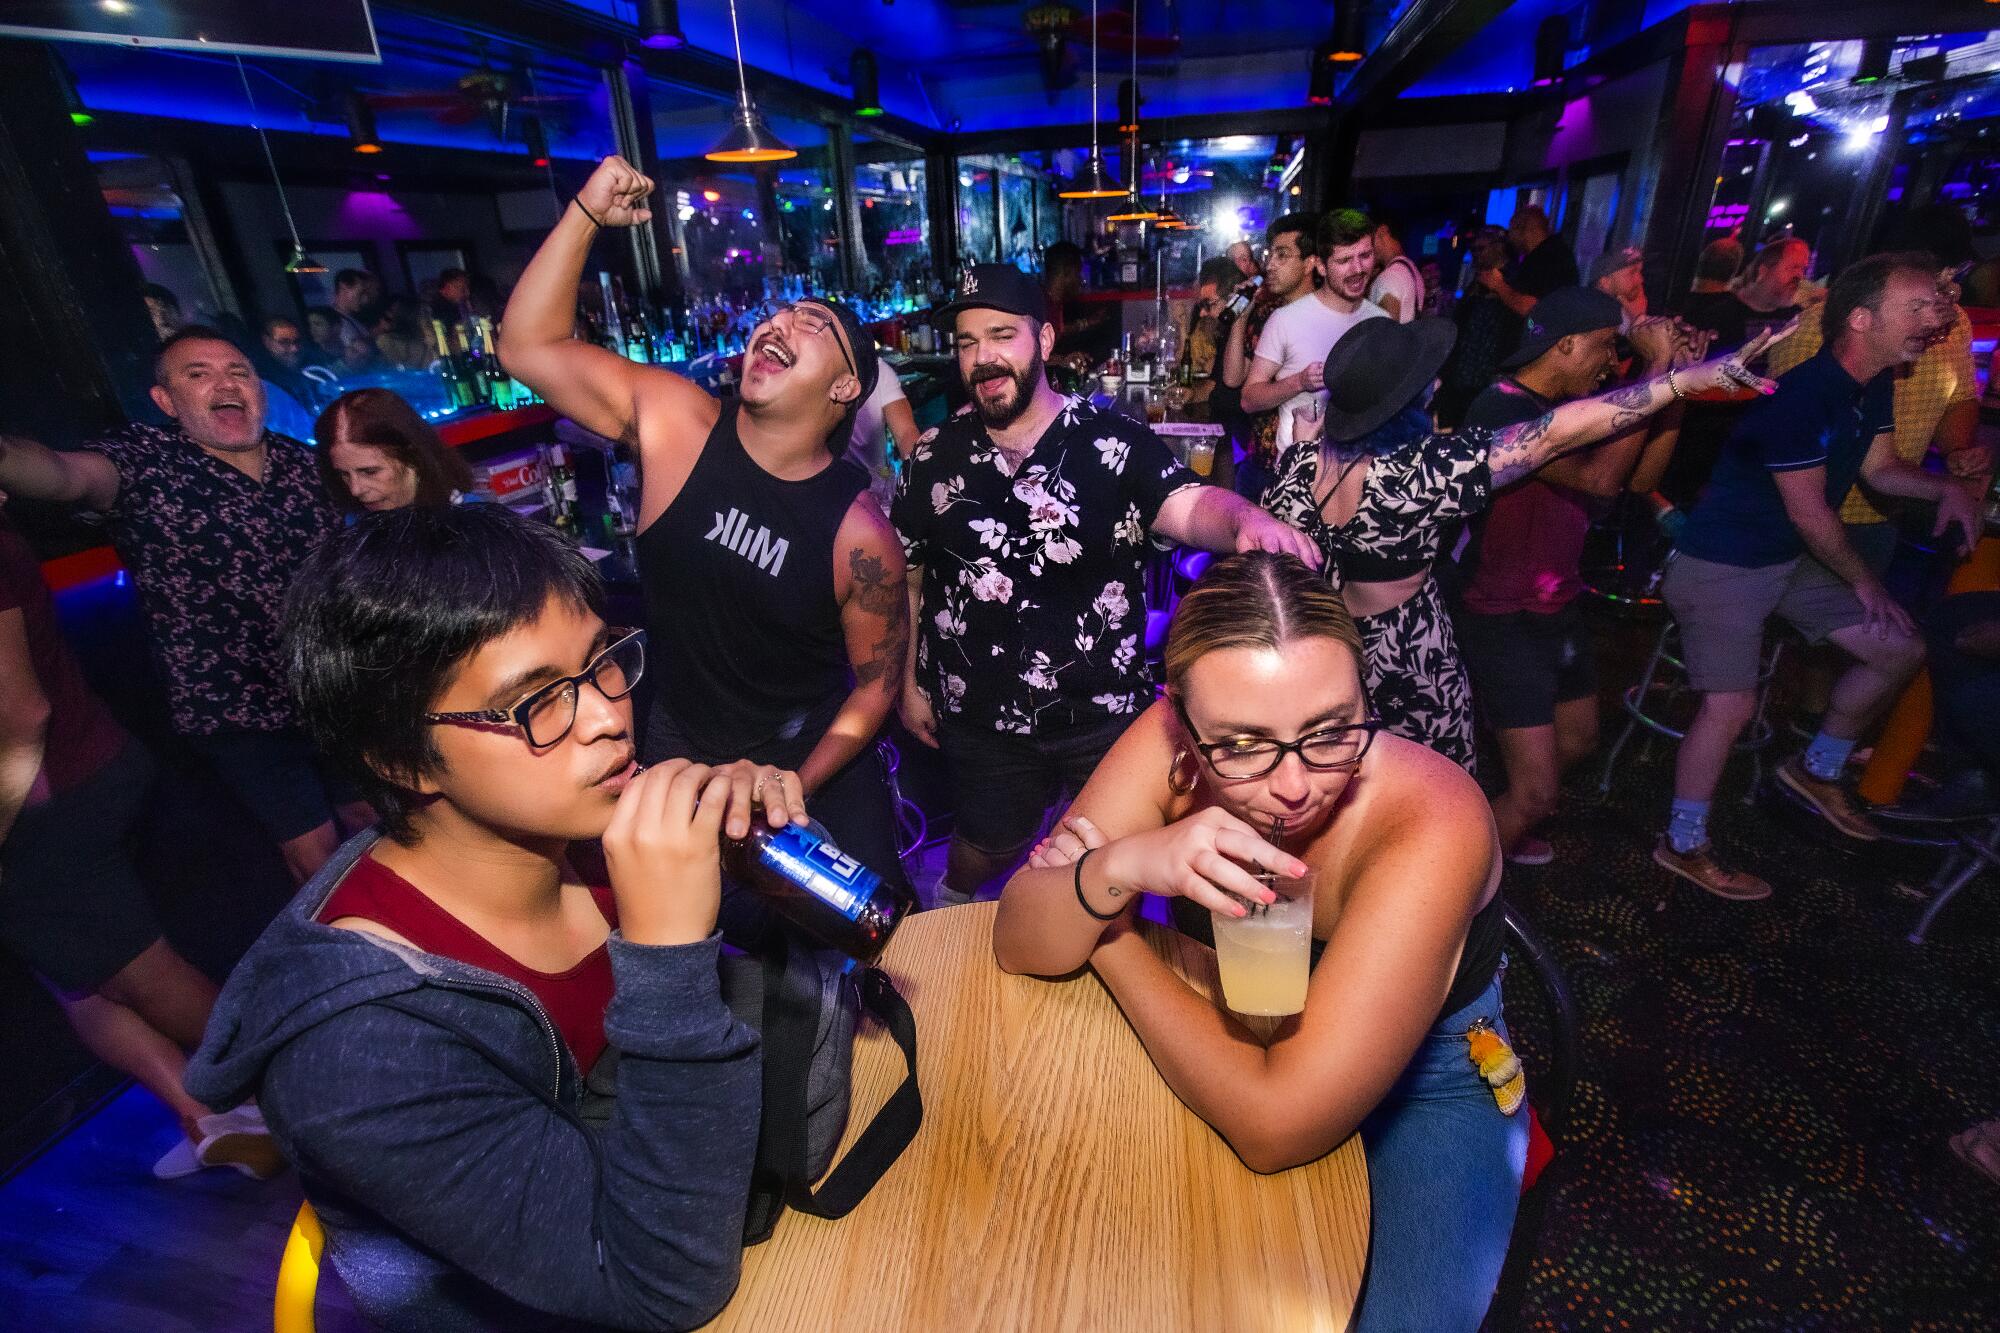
<point x="1765" y="538"/>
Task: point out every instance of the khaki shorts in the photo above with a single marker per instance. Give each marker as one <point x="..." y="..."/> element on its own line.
<point x="1721" y="610"/>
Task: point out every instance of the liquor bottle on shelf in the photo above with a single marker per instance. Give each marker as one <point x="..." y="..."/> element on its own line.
<point x="559" y="487"/>
<point x="453" y="370"/>
<point x="477" y="372"/>
<point x="499" y="384"/>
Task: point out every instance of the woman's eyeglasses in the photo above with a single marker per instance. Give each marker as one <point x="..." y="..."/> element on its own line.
<point x="1248" y="757"/>
<point x="546" y="714"/>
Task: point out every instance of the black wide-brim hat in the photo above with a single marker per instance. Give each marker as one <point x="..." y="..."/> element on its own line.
<point x="1377" y="368"/>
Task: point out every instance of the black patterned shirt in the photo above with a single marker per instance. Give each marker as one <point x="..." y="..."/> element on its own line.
<point x="212" y="552"/>
<point x="1034" y="613"/>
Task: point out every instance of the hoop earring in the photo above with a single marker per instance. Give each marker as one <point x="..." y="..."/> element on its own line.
<point x="1177" y="784"/>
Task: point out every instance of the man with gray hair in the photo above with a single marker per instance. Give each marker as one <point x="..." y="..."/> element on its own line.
<point x="212" y="514"/>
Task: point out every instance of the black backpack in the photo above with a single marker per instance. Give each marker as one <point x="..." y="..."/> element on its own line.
<point x="807" y="1003"/>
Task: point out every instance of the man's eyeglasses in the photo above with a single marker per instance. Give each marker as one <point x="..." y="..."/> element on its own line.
<point x="546" y="714"/>
<point x="812" y="319"/>
<point x="1249" y="757"/>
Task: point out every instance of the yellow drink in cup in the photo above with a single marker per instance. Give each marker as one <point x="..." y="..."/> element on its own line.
<point x="1201" y="455"/>
<point x="1265" y="958"/>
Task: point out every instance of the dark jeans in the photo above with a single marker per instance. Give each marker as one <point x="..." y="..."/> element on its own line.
<point x="1002" y="784"/>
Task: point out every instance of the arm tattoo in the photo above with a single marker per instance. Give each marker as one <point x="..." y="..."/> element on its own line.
<point x="1633" y="397"/>
<point x="875" y="592"/>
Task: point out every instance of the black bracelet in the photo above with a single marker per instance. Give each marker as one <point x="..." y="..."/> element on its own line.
<point x="1084" y="902"/>
<point x="578" y="201"/>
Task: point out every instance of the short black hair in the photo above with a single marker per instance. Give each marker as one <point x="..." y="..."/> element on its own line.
<point x="350" y="277"/>
<point x="383" y="612"/>
<point x="1343" y="226"/>
<point x="1302" y="225"/>
<point x="188" y="333"/>
<point x="1861" y="284"/>
<point x="1220" y="272"/>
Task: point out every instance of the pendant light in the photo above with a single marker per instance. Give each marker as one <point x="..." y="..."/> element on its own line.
<point x="300" y="261"/>
<point x="748" y="138"/>
<point x="660" y="25"/>
<point x="1128" y="123"/>
<point x="361" y="125"/>
<point x="1095" y="183"/>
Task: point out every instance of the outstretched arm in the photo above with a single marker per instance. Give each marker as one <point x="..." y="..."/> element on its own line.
<point x="1212" y="519"/>
<point x="588" y="384"/>
<point x="37" y="472"/>
<point x="1520" y="450"/>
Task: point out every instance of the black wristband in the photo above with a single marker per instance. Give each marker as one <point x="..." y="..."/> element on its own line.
<point x="1084" y="902"/>
<point x="578" y="201"/>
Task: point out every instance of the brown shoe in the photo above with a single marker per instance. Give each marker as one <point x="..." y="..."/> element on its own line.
<point x="1700" y="868"/>
<point x="1828" y="799"/>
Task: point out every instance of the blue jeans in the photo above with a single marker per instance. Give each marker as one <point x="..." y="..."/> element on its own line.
<point x="1444" y="1179"/>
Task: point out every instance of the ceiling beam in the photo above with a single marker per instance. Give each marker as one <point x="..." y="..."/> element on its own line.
<point x="1427" y="32"/>
<point x="600" y="40"/>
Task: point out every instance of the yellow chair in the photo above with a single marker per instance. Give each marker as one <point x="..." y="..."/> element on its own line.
<point x="298" y="1274"/>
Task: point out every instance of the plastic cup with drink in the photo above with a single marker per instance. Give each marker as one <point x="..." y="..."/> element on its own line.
<point x="1265" y="957"/>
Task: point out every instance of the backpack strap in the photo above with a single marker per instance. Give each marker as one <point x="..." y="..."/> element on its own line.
<point x="790" y="1027"/>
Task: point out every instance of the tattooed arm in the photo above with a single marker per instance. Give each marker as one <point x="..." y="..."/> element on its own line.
<point x="868" y="580"/>
<point x="1520" y="450"/>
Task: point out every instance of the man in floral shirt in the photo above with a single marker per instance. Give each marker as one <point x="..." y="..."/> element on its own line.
<point x="1025" y="522"/>
<point x="212" y="515"/>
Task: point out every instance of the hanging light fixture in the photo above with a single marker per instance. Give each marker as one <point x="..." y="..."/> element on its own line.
<point x="1096" y="182"/>
<point x="1128" y="124"/>
<point x="361" y="125"/>
<point x="300" y="261"/>
<point x="660" y="25"/>
<point x="1347" y="20"/>
<point x="867" y="81"/>
<point x="535" y="139"/>
<point x="748" y="138"/>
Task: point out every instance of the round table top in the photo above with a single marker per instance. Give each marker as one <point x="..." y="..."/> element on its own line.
<point x="1057" y="1182"/>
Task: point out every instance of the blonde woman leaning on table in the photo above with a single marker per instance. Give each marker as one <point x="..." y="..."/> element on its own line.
<point x="1401" y="845"/>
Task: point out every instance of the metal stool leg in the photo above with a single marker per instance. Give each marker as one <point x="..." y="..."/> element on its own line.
<point x="1959" y="869"/>
<point x="1635" y="706"/>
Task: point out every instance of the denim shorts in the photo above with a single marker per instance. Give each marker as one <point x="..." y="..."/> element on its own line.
<point x="1003" y="784"/>
<point x="1444" y="1179"/>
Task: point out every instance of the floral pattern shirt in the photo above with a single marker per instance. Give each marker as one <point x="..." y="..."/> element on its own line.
<point x="212" y="552"/>
<point x="1034" y="614"/>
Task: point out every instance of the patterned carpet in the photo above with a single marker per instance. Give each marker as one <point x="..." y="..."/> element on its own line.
<point x="1758" y="1133"/>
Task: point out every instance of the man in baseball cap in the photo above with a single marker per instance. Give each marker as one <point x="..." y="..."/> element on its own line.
<point x="1024" y="521"/>
<point x="1620" y="273"/>
<point x="1520" y="626"/>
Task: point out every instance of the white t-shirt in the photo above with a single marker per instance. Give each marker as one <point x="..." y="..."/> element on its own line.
<point x="866" y="445"/>
<point x="1401" y="281"/>
<point x="1301" y="334"/>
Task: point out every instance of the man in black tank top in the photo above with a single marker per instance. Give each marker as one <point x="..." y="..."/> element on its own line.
<point x="774" y="584"/>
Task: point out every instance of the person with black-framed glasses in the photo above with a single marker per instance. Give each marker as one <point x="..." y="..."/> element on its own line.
<point x="773" y="581"/>
<point x="443" y="1005"/>
<point x="1265" y="756"/>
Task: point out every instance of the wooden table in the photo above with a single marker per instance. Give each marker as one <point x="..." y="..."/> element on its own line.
<point x="1057" y="1182"/>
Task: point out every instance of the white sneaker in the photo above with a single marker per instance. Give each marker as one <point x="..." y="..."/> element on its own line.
<point x="180" y="1160"/>
<point x="239" y="1138"/>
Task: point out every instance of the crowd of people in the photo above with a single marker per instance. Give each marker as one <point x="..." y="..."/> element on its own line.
<point x="506" y="874"/>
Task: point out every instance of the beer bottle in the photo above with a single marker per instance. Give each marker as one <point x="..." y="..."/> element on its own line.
<point x="833" y="898"/>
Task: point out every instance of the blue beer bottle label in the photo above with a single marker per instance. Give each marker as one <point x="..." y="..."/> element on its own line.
<point x="820" y="868"/>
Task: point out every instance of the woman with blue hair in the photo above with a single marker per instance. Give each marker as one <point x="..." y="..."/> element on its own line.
<point x="1377" y="488"/>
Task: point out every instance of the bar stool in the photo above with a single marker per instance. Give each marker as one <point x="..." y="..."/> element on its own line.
<point x="1977" y="849"/>
<point x="1755" y="738"/>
